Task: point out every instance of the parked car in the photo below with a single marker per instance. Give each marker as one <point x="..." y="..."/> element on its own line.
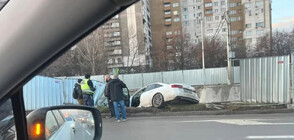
<point x="72" y="122"/>
<point x="157" y="94"/>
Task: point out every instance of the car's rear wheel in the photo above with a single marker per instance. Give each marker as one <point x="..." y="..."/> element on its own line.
<point x="157" y="100"/>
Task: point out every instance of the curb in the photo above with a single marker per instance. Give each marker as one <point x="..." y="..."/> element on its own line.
<point x="214" y="112"/>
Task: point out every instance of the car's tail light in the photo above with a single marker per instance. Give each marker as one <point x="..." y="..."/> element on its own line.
<point x="176" y="86"/>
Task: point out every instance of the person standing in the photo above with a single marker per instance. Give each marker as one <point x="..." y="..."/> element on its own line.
<point x="88" y="90"/>
<point x="115" y="90"/>
<point x="78" y="93"/>
<point x="110" y="103"/>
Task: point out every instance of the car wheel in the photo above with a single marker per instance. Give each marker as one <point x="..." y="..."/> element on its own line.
<point x="157" y="100"/>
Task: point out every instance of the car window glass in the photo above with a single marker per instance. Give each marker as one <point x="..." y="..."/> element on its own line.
<point x="59" y="118"/>
<point x="157" y="86"/>
<point x="51" y="125"/>
<point x="150" y="87"/>
<point x="7" y="131"/>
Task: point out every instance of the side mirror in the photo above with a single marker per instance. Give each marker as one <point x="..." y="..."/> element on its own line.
<point x="65" y="122"/>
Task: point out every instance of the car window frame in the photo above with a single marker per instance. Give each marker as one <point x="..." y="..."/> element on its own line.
<point x="57" y="119"/>
<point x="58" y="127"/>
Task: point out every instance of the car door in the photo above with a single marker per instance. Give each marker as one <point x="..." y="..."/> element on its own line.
<point x="136" y="98"/>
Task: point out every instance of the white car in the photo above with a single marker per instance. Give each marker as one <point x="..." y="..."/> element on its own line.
<point x="157" y="94"/>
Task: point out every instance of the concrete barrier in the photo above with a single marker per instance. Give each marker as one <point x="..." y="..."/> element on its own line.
<point x="219" y="93"/>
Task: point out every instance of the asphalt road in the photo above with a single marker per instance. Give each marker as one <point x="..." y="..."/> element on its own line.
<point x="83" y="132"/>
<point x="222" y="127"/>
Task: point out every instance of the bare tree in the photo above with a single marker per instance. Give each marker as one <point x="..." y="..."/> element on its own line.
<point x="92" y="53"/>
<point x="282" y="44"/>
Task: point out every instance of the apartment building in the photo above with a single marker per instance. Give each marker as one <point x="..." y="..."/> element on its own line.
<point x="257" y="15"/>
<point x="249" y="19"/>
<point x="166" y="24"/>
<point x="127" y="38"/>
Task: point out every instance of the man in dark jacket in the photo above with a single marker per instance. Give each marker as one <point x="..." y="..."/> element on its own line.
<point x="110" y="103"/>
<point x="115" y="90"/>
<point x="78" y="93"/>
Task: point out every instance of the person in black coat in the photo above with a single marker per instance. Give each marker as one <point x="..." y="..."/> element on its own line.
<point x="115" y="90"/>
<point x="110" y="103"/>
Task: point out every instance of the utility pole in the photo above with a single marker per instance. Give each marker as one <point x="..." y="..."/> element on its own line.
<point x="202" y="45"/>
<point x="229" y="43"/>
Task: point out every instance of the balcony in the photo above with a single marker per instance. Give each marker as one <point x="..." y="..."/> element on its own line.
<point x="168" y="23"/>
<point x="167" y="8"/>
<point x="169" y="36"/>
<point x="167" y="16"/>
<point x="166" y="1"/>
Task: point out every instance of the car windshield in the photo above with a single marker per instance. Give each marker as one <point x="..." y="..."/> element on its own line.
<point x="207" y="69"/>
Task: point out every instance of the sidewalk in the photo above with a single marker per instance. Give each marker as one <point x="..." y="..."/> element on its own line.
<point x="205" y="109"/>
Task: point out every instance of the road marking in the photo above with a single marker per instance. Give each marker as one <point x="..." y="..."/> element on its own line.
<point x="88" y="132"/>
<point x="240" y="122"/>
<point x="271" y="137"/>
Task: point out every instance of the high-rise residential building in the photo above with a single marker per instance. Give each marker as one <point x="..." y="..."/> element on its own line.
<point x="166" y="24"/>
<point x="127" y="38"/>
<point x="249" y="19"/>
<point x="257" y="19"/>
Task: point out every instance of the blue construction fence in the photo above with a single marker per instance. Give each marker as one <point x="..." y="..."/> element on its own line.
<point x="46" y="91"/>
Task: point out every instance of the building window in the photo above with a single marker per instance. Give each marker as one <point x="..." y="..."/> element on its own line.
<point x="169" y="47"/>
<point x="235" y="19"/>
<point x="115" y="25"/>
<point x="234" y="32"/>
<point x="215" y="4"/>
<point x="224" y="29"/>
<point x="176" y="13"/>
<point x="260" y="24"/>
<point x="176" y="19"/>
<point x="208" y="4"/>
<point x="169" y="40"/>
<point x="176" y="5"/>
<point x="115" y="17"/>
<point x="119" y="60"/>
<point x="223" y="2"/>
<point x="167" y="12"/>
<point x="185" y="9"/>
<point x="248" y="33"/>
<point x="168" y="19"/>
<point x="247" y="5"/>
<point x="239" y="11"/>
<point x="198" y="1"/>
<point x="223" y="9"/>
<point x="185" y="16"/>
<point x="248" y="25"/>
<point x="116" y="42"/>
<point x="198" y="7"/>
<point x="258" y="3"/>
<point x="233" y="4"/>
<point x="232" y="12"/>
<point x="216" y="17"/>
<point x="208" y="11"/>
<point x="166" y="5"/>
<point x="209" y="18"/>
<point x="215" y="10"/>
<point x="116" y="34"/>
<point x="186" y="23"/>
<point x="177" y="32"/>
<point x="209" y="31"/>
<point x="259" y="32"/>
<point x="169" y="33"/>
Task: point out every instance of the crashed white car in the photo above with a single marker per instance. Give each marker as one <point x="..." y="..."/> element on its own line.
<point x="157" y="94"/>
